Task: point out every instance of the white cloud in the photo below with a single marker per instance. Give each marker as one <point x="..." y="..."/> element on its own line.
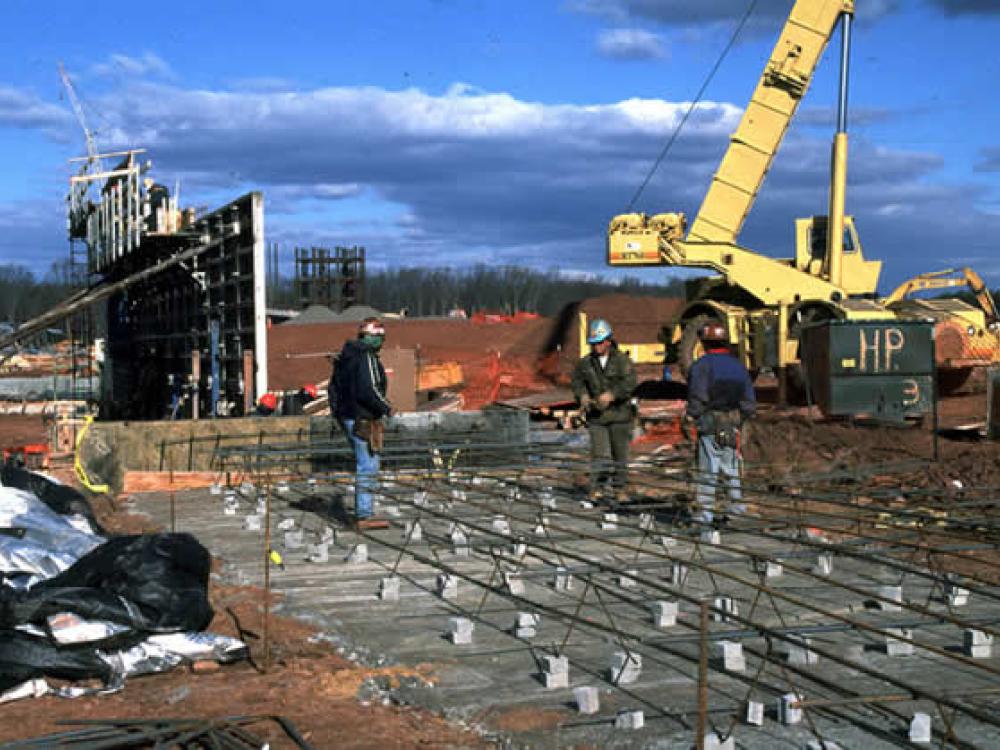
<point x="473" y="176"/>
<point x="20" y="108"/>
<point x="630" y="44"/>
<point x="145" y="65"/>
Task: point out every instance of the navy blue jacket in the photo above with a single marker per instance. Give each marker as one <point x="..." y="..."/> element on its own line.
<point x="359" y="383"/>
<point x="719" y="382"/>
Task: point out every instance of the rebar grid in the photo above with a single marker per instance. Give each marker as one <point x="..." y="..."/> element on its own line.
<point x="522" y="515"/>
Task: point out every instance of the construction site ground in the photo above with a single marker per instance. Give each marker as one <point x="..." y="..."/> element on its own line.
<point x="355" y="671"/>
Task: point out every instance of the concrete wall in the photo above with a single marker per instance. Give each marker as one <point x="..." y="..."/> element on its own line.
<point x="112" y="448"/>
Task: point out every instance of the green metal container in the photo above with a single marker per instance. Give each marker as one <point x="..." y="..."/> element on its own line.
<point x="880" y="369"/>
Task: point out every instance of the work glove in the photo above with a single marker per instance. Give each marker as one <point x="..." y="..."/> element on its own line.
<point x="688" y="430"/>
<point x="585" y="403"/>
<point x="604" y="400"/>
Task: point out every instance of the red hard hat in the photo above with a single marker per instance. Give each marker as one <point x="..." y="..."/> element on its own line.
<point x="310" y="389"/>
<point x="713" y="331"/>
<point x="269" y="401"/>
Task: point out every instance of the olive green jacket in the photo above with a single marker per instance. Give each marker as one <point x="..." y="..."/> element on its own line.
<point x="590" y="379"/>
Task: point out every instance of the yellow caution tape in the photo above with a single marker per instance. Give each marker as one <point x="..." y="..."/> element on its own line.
<point x="81" y="474"/>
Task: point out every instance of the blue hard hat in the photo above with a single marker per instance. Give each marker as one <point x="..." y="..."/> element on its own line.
<point x="600" y="330"/>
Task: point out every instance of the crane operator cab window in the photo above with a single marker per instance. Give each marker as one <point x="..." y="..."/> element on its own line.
<point x="817" y="238"/>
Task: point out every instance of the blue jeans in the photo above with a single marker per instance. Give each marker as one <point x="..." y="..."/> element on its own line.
<point x="366" y="466"/>
<point x="717" y="466"/>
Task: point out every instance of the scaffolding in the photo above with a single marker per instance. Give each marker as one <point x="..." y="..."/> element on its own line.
<point x="333" y="278"/>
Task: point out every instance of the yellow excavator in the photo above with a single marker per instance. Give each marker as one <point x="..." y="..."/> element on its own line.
<point x="764" y="302"/>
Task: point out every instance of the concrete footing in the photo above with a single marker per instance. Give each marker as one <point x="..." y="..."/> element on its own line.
<point x="787" y="713"/>
<point x="514" y="583"/>
<point x="977" y="644"/>
<point x="724" y="606"/>
<point x="732" y="656"/>
<point x="460" y="630"/>
<point x="896" y="647"/>
<point x="626" y="666"/>
<point x="800" y="654"/>
<point x="318" y="553"/>
<point x="664" y="613"/>
<point x="588" y="700"/>
<point x="920" y="729"/>
<point x="711" y="536"/>
<point x="678" y="574"/>
<point x="526" y="625"/>
<point x="824" y="564"/>
<point x="389" y="589"/>
<point x="630" y="719"/>
<point x="358" y="554"/>
<point x="894" y="594"/>
<point x="556" y="674"/>
<point x="563" y="580"/>
<point x="447" y="586"/>
<point x="714" y="742"/>
<point x="754" y="713"/>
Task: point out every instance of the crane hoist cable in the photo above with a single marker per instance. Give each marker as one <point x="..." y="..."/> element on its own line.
<point x="694" y="103"/>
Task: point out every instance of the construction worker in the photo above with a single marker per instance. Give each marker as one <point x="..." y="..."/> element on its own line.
<point x="602" y="384"/>
<point x="295" y="404"/>
<point x="720" y="400"/>
<point x="359" y="384"/>
<point x="267" y="405"/>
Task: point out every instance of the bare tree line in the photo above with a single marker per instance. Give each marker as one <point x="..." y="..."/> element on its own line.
<point x="420" y="291"/>
<point x="510" y="289"/>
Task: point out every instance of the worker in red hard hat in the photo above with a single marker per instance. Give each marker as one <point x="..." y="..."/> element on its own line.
<point x="720" y="400"/>
<point x="295" y="404"/>
<point x="267" y="405"/>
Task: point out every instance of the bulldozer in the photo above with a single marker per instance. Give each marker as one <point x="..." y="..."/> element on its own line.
<point x="766" y="302"/>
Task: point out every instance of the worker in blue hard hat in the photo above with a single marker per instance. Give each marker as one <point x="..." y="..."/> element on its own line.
<point x="602" y="384"/>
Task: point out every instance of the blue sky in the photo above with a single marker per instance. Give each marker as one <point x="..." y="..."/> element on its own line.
<point x="455" y="132"/>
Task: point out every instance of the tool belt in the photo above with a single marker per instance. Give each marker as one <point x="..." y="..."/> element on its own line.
<point x="372" y="431"/>
<point x="724" y="427"/>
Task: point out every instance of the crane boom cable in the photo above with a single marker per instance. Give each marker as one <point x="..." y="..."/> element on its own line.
<point x="694" y="103"/>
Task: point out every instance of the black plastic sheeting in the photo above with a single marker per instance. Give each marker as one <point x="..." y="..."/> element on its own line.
<point x="151" y="583"/>
<point x="24" y="657"/>
<point x="61" y="498"/>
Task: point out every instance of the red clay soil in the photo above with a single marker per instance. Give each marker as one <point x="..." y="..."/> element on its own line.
<point x="19" y="429"/>
<point x="781" y="444"/>
<point x="503" y="359"/>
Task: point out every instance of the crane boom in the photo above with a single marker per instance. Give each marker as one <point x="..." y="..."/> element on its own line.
<point x="766" y="119"/>
<point x="74" y="102"/>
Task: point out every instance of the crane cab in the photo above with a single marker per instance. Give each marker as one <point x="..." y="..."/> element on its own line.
<point x="859" y="277"/>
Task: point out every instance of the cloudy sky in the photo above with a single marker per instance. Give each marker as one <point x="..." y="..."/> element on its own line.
<point x="455" y="132"/>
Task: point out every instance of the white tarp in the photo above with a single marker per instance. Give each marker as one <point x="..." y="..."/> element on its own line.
<point x="48" y="544"/>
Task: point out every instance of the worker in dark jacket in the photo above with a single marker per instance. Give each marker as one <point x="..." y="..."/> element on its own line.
<point x="603" y="382"/>
<point x="720" y="400"/>
<point x="359" y="385"/>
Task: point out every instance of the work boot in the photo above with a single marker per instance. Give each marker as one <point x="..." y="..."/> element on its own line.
<point x="370" y="524"/>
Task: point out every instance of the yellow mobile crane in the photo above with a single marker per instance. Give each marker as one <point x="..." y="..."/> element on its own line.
<point x="765" y="301"/>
